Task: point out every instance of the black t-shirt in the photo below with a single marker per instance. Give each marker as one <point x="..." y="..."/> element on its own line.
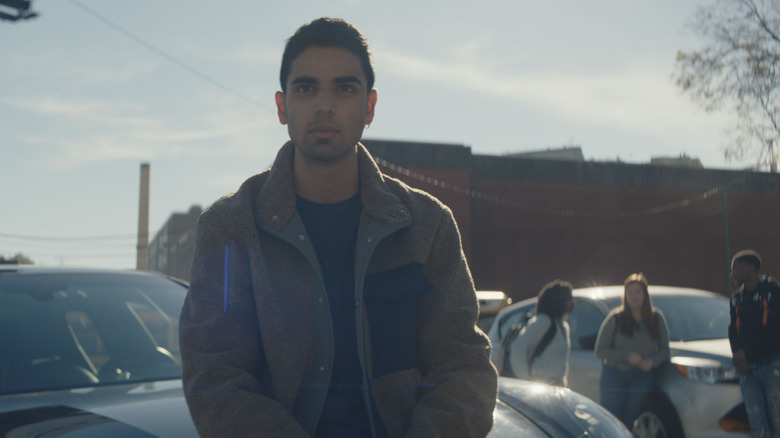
<point x="333" y="230"/>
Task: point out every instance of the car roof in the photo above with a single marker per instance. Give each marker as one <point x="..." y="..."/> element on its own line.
<point x="491" y="301"/>
<point x="616" y="291"/>
<point x="36" y="269"/>
<point x="14" y="269"/>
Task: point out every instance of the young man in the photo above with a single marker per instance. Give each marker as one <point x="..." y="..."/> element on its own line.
<point x="754" y="334"/>
<point x="328" y="299"/>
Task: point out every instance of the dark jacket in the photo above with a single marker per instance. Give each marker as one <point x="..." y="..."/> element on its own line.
<point x="255" y="331"/>
<point x="755" y="320"/>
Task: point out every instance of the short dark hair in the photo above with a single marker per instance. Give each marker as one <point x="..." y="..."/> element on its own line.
<point x="748" y="256"/>
<point x="553" y="298"/>
<point x="326" y="32"/>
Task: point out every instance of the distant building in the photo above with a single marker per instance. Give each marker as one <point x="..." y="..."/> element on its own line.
<point x="681" y="161"/>
<point x="172" y="248"/>
<point x="526" y="219"/>
<point x="566" y="153"/>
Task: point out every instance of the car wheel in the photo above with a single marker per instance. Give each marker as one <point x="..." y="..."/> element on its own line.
<point x="657" y="420"/>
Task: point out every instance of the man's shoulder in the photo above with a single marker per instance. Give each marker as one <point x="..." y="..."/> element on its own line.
<point x="413" y="196"/>
<point x="770" y="284"/>
<point x="232" y="203"/>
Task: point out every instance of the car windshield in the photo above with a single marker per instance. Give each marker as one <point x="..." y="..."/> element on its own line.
<point x="691" y="318"/>
<point x="71" y="330"/>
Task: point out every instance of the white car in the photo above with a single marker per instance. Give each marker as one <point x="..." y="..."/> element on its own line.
<point x="698" y="391"/>
<point x="490" y="303"/>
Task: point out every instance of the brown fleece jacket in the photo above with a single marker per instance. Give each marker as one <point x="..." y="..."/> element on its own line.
<point x="255" y="331"/>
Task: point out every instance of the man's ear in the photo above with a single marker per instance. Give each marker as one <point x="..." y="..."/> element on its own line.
<point x="371" y="106"/>
<point x="281" y="108"/>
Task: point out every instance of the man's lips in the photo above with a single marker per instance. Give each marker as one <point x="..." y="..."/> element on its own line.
<point x="323" y="130"/>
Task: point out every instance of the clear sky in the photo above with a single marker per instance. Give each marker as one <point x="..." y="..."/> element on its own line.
<point x="91" y="89"/>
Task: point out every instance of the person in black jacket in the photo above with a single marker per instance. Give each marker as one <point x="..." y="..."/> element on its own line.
<point x="754" y="334"/>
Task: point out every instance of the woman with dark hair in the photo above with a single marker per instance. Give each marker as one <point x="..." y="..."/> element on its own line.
<point x="632" y="341"/>
<point x="541" y="350"/>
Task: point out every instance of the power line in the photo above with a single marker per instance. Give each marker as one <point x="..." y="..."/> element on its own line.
<point x="593" y="214"/>
<point x="105" y="237"/>
<point x="166" y="56"/>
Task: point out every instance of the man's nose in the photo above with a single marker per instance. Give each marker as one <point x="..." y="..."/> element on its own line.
<point x="324" y="104"/>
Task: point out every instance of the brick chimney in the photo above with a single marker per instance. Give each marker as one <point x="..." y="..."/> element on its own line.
<point x="143" y="220"/>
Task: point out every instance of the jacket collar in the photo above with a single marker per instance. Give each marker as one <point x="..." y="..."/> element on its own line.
<point x="274" y="201"/>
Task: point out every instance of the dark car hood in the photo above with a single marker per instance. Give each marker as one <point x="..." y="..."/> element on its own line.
<point x="559" y="411"/>
<point x="153" y="409"/>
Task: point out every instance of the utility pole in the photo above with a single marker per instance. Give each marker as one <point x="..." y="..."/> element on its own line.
<point x="142" y="248"/>
<point x="727" y="246"/>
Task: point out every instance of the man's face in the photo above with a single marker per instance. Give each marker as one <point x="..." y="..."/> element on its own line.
<point x="739" y="272"/>
<point x="327" y="103"/>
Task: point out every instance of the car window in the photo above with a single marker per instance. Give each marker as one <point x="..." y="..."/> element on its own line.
<point x="691" y="318"/>
<point x="74" y="330"/>
<point x="584" y="323"/>
<point x="161" y="327"/>
<point x="694" y="318"/>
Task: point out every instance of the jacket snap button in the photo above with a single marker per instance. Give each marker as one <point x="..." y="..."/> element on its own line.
<point x="322" y="367"/>
<point x="275" y="218"/>
<point x="370" y="239"/>
<point x="301" y="237"/>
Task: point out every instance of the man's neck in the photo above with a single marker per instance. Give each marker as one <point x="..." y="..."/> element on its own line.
<point x="751" y="284"/>
<point x="326" y="183"/>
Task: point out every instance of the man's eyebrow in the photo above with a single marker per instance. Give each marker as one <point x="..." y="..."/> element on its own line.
<point x="348" y="80"/>
<point x="304" y="80"/>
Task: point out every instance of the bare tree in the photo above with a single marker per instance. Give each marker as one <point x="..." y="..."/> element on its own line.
<point x="738" y="69"/>
<point x="18" y="259"/>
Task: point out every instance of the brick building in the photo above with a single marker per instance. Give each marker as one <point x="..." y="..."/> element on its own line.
<point x="172" y="248"/>
<point x="526" y="221"/>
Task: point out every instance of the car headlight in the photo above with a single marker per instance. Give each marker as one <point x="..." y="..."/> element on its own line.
<point x="705" y="370"/>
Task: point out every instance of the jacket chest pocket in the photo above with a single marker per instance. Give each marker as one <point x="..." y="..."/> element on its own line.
<point x="391" y="304"/>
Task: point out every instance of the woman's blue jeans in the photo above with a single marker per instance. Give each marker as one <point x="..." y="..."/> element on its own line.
<point x="624" y="392"/>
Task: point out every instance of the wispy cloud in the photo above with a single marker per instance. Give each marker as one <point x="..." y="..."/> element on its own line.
<point x="250" y="53"/>
<point x="69" y="69"/>
<point x="80" y="131"/>
<point x="82" y="111"/>
<point x="634" y="97"/>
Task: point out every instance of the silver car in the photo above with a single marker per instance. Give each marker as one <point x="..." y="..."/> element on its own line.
<point x="697" y="392"/>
